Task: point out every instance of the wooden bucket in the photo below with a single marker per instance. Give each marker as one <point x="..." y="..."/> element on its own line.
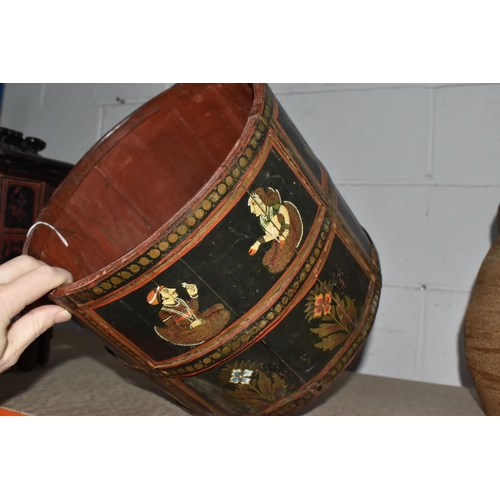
<point x="211" y="251"/>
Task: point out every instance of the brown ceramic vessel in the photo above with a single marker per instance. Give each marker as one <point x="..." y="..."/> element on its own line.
<point x="482" y="330"/>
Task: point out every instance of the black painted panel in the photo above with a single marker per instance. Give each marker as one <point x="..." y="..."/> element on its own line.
<point x="301" y="339"/>
<point x="299" y="142"/>
<point x="247" y="384"/>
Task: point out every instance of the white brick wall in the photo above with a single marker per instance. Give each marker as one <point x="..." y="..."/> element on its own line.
<point x="417" y="164"/>
<point x="70" y="118"/>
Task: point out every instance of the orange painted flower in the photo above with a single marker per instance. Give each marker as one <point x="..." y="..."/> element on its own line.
<point x="327" y="305"/>
<point x="322" y="305"/>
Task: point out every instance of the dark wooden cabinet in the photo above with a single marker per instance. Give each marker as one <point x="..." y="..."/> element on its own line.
<point x="27" y="180"/>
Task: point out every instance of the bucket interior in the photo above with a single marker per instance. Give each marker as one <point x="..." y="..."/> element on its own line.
<point x="140" y="175"/>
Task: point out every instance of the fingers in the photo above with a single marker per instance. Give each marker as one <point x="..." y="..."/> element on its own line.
<point x="16" y="267"/>
<point x="23" y="280"/>
<point x="26" y="329"/>
<point x="28" y="287"/>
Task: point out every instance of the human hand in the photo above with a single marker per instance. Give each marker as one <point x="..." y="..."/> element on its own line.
<point x="192" y="290"/>
<point x="254" y="248"/>
<point x="23" y="280"/>
<point x="196" y="323"/>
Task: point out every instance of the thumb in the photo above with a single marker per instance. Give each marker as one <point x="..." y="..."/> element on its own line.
<point x="26" y="329"/>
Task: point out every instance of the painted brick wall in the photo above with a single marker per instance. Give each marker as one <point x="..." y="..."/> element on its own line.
<point x="417" y="164"/>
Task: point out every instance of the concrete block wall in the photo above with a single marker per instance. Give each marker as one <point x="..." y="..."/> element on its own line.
<point x="417" y="163"/>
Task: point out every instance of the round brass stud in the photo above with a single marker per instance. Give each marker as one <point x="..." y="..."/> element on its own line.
<point x="154" y="253"/>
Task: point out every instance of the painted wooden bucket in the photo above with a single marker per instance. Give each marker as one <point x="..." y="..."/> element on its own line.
<point x="211" y="251"/>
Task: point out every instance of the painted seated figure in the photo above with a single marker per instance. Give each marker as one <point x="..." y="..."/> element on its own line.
<point x="183" y="322"/>
<point x="281" y="223"/>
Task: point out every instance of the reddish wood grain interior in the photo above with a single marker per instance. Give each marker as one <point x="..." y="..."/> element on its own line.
<point x="119" y="194"/>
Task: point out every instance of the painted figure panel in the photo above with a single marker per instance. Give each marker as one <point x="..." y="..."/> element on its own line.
<point x="228" y="269"/>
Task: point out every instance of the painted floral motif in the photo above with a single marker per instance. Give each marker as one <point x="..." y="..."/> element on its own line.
<point x="253" y="385"/>
<point x="322" y="304"/>
<point x="337" y="314"/>
<point x="239" y="376"/>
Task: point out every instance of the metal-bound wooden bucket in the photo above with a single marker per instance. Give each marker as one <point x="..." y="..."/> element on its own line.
<point x="211" y="250"/>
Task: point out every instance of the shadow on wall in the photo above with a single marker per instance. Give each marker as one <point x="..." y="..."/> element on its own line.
<point x="464" y="372"/>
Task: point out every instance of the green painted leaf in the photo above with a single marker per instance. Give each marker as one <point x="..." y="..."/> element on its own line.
<point x="351" y="309"/>
<point x="329" y="343"/>
<point x="326" y="329"/>
<point x="278" y="387"/>
<point x="264" y="384"/>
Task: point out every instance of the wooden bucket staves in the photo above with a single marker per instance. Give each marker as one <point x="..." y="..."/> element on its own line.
<point x="211" y="250"/>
